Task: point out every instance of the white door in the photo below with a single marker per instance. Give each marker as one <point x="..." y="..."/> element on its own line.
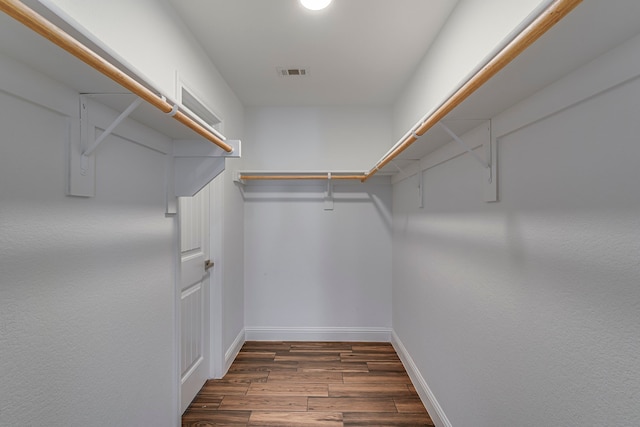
<point x="193" y="294"/>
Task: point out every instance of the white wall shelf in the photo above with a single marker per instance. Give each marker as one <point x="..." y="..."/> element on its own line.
<point x="191" y="163"/>
<point x="106" y="108"/>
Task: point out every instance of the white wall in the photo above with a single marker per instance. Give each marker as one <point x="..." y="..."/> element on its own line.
<point x="233" y="294"/>
<point x="86" y="285"/>
<point x="311" y="273"/>
<point x="227" y="234"/>
<point x="316" y="138"/>
<point x="162" y="49"/>
<point x="525" y="312"/>
<point x="473" y="30"/>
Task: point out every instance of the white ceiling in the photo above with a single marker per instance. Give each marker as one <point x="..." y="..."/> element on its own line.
<point x="358" y="52"/>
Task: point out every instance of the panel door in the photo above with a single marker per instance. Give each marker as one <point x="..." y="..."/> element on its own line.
<point x="193" y="294"/>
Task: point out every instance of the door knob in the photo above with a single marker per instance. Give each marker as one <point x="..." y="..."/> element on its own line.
<point x="208" y="264"/>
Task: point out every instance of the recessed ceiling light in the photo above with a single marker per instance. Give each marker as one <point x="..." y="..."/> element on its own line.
<point x="315" y="4"/>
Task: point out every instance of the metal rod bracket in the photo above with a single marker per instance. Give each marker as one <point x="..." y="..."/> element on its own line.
<point x="328" y="197"/>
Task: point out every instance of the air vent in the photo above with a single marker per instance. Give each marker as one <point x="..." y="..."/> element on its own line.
<point x="191" y="103"/>
<point x="292" y="72"/>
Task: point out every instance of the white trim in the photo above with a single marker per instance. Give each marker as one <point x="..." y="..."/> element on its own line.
<point x="258" y="333"/>
<point x="232" y="352"/>
<point x="426" y="395"/>
<point x="177" y="351"/>
<point x="193" y="367"/>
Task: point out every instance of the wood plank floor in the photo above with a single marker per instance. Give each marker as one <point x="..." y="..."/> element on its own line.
<point x="310" y="384"/>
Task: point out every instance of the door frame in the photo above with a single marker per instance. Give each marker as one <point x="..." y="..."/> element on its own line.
<point x="216" y="246"/>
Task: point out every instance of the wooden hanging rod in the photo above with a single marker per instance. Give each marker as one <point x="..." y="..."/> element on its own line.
<point x="547" y="19"/>
<point x="27" y="16"/>
<point x="296" y="177"/>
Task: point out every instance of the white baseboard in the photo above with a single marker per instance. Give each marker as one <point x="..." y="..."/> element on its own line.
<point x="318" y="334"/>
<point x="426" y="395"/>
<point x="233" y="350"/>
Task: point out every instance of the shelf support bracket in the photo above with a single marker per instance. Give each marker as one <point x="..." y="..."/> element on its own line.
<point x="456" y="138"/>
<point x="491" y="173"/>
<point x="90" y="149"/>
<point x="197" y="163"/>
<point x="328" y="196"/>
<point x="402" y="172"/>
<point x="83" y="143"/>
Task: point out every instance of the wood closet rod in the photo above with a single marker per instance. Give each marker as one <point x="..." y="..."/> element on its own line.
<point x="299" y="177"/>
<point x="547" y="19"/>
<point x="27" y="16"/>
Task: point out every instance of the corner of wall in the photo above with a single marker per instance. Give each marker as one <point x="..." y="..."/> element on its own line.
<point x="426" y="395"/>
<point x="232" y="352"/>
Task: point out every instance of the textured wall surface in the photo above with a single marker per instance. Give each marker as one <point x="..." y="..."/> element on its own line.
<point x="165" y="52"/>
<point x="525" y="312"/>
<point x="86" y="285"/>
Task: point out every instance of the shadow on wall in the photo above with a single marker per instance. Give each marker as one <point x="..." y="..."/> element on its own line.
<point x="316" y="192"/>
<point x="533" y="250"/>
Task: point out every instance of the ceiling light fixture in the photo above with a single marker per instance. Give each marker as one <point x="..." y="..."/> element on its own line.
<point x="315" y="4"/>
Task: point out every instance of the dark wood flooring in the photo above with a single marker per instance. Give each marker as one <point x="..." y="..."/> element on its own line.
<point x="310" y="384"/>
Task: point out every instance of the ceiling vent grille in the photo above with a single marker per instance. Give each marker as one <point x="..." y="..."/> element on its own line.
<point x="292" y="72"/>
